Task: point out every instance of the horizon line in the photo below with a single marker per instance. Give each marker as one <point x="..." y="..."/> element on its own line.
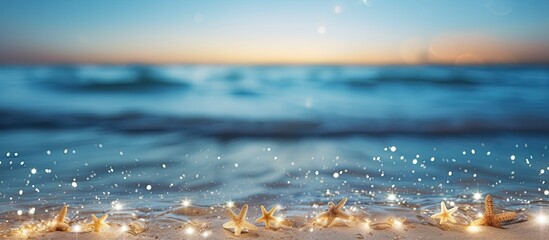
<point x="268" y="64"/>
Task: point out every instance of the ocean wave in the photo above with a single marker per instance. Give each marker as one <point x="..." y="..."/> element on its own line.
<point x="227" y="128"/>
<point x="143" y="77"/>
<point x="277" y="101"/>
<point x="443" y="76"/>
<point x="123" y="78"/>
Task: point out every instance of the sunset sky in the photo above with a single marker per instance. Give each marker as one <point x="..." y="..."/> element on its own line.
<point x="275" y="32"/>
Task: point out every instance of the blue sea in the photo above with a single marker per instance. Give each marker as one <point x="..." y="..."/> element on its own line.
<point x="392" y="138"/>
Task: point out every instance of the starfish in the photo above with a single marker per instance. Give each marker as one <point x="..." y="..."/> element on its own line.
<point x="98" y="223"/>
<point x="492" y="219"/>
<point x="267" y="216"/>
<point x="59" y="223"/>
<point x="239" y="222"/>
<point x="445" y="214"/>
<point x="334" y="211"/>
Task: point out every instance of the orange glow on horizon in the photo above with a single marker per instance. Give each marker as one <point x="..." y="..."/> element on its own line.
<point x="449" y="48"/>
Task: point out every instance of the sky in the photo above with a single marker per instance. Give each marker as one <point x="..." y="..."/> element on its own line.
<point x="274" y="32"/>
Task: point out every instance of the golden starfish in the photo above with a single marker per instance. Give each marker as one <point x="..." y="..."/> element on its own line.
<point x="59" y="223"/>
<point x="267" y="216"/>
<point x="239" y="222"/>
<point x="492" y="219"/>
<point x="445" y="214"/>
<point x="334" y="211"/>
<point x="98" y="223"/>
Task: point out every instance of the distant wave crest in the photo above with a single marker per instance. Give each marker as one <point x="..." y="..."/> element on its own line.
<point x="109" y="78"/>
<point x="143" y="77"/>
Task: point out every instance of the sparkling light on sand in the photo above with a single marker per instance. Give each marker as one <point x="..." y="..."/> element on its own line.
<point x="76" y="228"/>
<point x="189" y="230"/>
<point x="23" y="233"/>
<point x="366" y="225"/>
<point x="206" y="233"/>
<point x="473" y="229"/>
<point x="397" y="223"/>
<point x="541" y="219"/>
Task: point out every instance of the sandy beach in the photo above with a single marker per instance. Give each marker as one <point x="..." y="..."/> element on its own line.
<point x="206" y="223"/>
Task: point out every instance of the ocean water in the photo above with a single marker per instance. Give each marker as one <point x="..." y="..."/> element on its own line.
<point x="391" y="138"/>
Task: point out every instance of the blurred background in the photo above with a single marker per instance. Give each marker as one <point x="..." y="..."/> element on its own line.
<point x="272" y="101"/>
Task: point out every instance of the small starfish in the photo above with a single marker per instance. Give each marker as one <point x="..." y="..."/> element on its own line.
<point x="334" y="211"/>
<point x="239" y="222"/>
<point x="492" y="219"/>
<point x="267" y="216"/>
<point x="98" y="223"/>
<point x="59" y="223"/>
<point x="445" y="214"/>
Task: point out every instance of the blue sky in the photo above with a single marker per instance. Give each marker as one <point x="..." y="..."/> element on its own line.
<point x="281" y="31"/>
